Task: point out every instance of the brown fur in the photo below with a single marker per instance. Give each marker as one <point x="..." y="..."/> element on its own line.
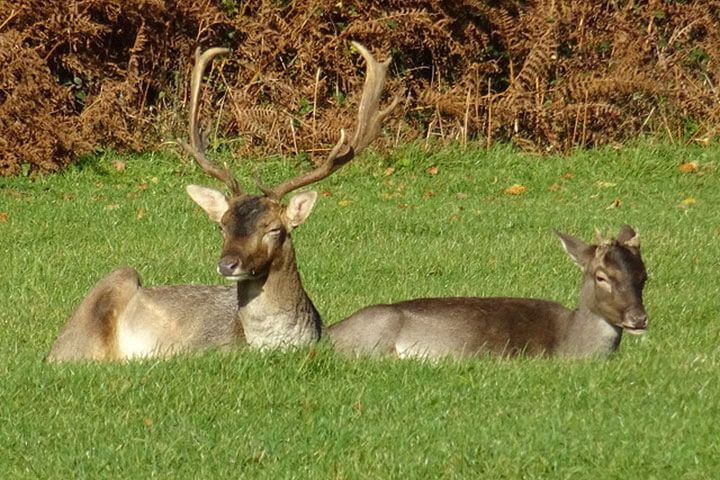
<point x="171" y="318"/>
<point x="273" y="306"/>
<point x="469" y="326"/>
<point x="90" y="333"/>
<point x="258" y="253"/>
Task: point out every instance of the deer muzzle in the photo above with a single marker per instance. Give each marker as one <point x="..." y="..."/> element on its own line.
<point x="231" y="268"/>
<point x="635" y="321"/>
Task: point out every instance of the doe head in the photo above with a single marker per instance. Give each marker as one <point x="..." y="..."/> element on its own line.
<point x="614" y="278"/>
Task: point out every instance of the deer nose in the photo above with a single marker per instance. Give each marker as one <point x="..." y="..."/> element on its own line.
<point x="637" y="320"/>
<point x="228" y="266"/>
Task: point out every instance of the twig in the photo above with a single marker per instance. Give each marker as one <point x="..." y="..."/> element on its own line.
<point x="467" y="115"/>
<point x="314" y="112"/>
<point x="489" y="114"/>
<point x="584" y="124"/>
<point x="294" y="138"/>
<point x="12" y="15"/>
<point x="647" y="119"/>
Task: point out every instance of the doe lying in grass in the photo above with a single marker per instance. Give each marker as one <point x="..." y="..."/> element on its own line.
<point x="610" y="302"/>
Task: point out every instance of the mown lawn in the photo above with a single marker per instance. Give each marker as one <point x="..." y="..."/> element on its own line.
<point x="376" y="235"/>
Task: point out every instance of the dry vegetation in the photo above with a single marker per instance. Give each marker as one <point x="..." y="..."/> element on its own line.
<point x="546" y="75"/>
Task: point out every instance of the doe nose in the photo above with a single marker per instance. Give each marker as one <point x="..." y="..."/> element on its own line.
<point x="228" y="265"/>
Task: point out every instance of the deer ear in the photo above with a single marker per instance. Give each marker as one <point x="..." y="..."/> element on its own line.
<point x="579" y="251"/>
<point x="210" y="200"/>
<point x="299" y="208"/>
<point x="628" y="237"/>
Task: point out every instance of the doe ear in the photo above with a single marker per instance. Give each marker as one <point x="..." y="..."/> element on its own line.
<point x="579" y="251"/>
<point x="212" y="201"/>
<point x="628" y="237"/>
<point x="299" y="208"/>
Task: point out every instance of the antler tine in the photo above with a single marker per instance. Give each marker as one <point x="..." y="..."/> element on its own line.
<point x="198" y="144"/>
<point x="369" y="118"/>
<point x="367" y="129"/>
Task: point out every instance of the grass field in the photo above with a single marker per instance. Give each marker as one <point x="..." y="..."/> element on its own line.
<point x="651" y="411"/>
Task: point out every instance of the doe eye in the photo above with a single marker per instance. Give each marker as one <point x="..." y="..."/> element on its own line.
<point x="600" y="278"/>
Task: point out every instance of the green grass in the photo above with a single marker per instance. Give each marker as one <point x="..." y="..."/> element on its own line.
<point x="652" y="411"/>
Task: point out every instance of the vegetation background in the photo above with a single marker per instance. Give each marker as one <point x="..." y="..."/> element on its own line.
<point x="547" y="75"/>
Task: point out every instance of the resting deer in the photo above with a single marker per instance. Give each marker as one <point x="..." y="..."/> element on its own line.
<point x="610" y="303"/>
<point x="120" y="320"/>
<point x="273" y="307"/>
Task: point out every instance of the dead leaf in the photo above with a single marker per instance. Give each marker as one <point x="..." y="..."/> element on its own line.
<point x="112" y="206"/>
<point x="119" y="165"/>
<point x="358" y="406"/>
<point x="154" y="180"/>
<point x="689" y="167"/>
<point x="568" y="175"/>
<point x="326" y="193"/>
<point x="148" y="422"/>
<point x="687" y="202"/>
<point x="139" y="213"/>
<point x="461" y="196"/>
<point x="555" y="187"/>
<point x="516" y="189"/>
<point x="428" y="194"/>
<point x="389" y="171"/>
<point x="344" y="203"/>
<point x="142" y="186"/>
<point x="454" y="218"/>
<point x="433" y="170"/>
<point x="603" y="184"/>
<point x="615" y="204"/>
<point x="3" y="217"/>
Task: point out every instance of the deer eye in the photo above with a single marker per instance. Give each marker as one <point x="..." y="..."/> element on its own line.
<point x="601" y="278"/>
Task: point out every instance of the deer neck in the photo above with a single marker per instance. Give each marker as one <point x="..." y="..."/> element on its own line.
<point x="588" y="333"/>
<point x="275" y="310"/>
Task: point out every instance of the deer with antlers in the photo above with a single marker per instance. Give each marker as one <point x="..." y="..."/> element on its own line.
<point x="119" y="319"/>
<point x="273" y="307"/>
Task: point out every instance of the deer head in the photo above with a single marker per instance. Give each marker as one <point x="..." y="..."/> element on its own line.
<point x="256" y="228"/>
<point x="613" y="278"/>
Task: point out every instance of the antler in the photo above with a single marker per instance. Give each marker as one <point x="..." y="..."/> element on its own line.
<point x="198" y="143"/>
<point x="367" y="129"/>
